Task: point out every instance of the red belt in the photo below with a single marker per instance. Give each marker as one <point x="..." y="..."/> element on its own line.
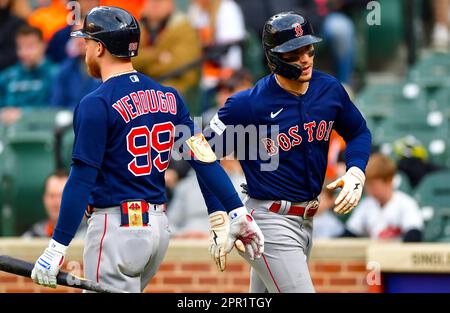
<point x="294" y="210"/>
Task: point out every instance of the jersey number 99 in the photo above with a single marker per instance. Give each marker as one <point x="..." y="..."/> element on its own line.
<point x="152" y="141"/>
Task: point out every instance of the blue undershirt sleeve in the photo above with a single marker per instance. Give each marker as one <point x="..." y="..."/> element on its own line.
<point x="216" y="187"/>
<point x="74" y="201"/>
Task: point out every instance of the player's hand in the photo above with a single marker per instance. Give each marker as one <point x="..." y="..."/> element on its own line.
<point x="47" y="266"/>
<point x="218" y="235"/>
<point x="244" y="228"/>
<point x="352" y="184"/>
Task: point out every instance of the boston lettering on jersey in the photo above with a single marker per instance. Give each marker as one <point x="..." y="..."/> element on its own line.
<point x="292" y="138"/>
<point x="144" y="102"/>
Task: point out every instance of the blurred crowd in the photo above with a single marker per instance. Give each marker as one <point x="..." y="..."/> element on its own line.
<point x="204" y="49"/>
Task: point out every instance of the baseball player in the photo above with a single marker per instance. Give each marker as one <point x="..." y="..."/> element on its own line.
<point x="303" y="106"/>
<point x="124" y="133"/>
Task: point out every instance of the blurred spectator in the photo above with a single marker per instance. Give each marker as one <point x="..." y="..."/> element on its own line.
<point x="132" y="6"/>
<point x="53" y="189"/>
<point x="238" y="81"/>
<point x="385" y="213"/>
<point x="9" y="23"/>
<point x="28" y="83"/>
<point x="72" y="81"/>
<point x="440" y="37"/>
<point x="60" y="45"/>
<point x="221" y="26"/>
<point x="336" y="157"/>
<point x="21" y="8"/>
<point x="413" y="159"/>
<point x="50" y="18"/>
<point x="188" y="215"/>
<point x="326" y="223"/>
<point x="168" y="42"/>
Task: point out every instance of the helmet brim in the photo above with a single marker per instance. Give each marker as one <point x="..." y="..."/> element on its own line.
<point x="79" y="34"/>
<point x="296" y="43"/>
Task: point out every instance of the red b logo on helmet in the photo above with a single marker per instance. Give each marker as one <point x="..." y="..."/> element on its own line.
<point x="298" y="29"/>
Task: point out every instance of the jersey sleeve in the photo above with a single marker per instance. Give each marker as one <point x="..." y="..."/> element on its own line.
<point x="351" y="125"/>
<point x="221" y="131"/>
<point x="91" y="128"/>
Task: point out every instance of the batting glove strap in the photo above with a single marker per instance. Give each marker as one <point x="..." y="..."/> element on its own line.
<point x="58" y="247"/>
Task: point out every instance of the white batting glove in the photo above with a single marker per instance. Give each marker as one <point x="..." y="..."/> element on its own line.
<point x="352" y="184"/>
<point x="218" y="235"/>
<point x="47" y="266"/>
<point x="244" y="228"/>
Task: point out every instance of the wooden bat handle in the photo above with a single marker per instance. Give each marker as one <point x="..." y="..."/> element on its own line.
<point x="23" y="268"/>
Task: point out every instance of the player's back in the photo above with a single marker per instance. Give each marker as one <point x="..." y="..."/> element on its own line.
<point x="133" y="118"/>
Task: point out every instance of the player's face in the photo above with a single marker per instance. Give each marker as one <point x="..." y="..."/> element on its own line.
<point x="91" y="58"/>
<point x="380" y="189"/>
<point x="304" y="57"/>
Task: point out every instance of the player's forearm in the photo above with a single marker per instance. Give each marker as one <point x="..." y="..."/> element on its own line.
<point x="217" y="182"/>
<point x="74" y="201"/>
<point x="212" y="203"/>
<point x="357" y="151"/>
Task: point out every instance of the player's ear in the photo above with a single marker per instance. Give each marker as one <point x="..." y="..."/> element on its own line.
<point x="100" y="49"/>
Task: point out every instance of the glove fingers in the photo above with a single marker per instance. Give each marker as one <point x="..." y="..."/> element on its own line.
<point x="222" y="259"/>
<point x="256" y="250"/>
<point x="338" y="208"/>
<point x="250" y="251"/>
<point x="334" y="184"/>
<point x="341" y="196"/>
<point x="239" y="246"/>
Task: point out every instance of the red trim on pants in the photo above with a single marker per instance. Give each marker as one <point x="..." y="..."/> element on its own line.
<point x="101" y="245"/>
<point x="271" y="275"/>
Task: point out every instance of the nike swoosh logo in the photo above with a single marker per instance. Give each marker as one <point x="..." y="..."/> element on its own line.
<point x="273" y="115"/>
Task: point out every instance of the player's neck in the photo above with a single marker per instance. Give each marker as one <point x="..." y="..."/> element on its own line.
<point x="292" y="86"/>
<point x="116" y="69"/>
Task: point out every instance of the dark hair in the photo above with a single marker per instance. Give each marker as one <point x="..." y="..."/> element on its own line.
<point x="27" y="30"/>
<point x="58" y="173"/>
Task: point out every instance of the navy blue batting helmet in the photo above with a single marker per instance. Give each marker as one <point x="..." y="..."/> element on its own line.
<point x="114" y="27"/>
<point x="284" y="32"/>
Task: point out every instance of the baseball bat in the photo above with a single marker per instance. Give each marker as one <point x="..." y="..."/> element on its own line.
<point x="23" y="268"/>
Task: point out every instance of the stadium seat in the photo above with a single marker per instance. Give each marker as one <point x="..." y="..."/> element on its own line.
<point x="383" y="100"/>
<point x="438" y="228"/>
<point x="28" y="160"/>
<point x="440" y="100"/>
<point x="431" y="128"/>
<point x="434" y="190"/>
<point x="432" y="71"/>
<point x="401" y="182"/>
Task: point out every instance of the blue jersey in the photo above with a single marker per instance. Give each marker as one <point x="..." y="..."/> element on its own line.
<point x="126" y="129"/>
<point x="301" y="141"/>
